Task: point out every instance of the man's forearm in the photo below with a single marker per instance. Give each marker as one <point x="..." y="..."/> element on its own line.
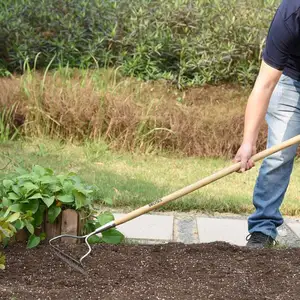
<point x="255" y="112"/>
<point x="258" y="102"/>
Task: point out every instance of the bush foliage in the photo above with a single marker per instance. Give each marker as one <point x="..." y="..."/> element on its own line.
<point x="184" y="41"/>
<point x="25" y="196"/>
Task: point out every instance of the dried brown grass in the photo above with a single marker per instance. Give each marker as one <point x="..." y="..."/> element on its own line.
<point x="129" y="114"/>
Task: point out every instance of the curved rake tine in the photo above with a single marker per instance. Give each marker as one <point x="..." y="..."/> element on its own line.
<point x="69" y="259"/>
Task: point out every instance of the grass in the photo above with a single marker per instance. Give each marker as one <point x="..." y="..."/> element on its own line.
<point x="130" y="115"/>
<point x="7" y="129"/>
<point x="133" y="180"/>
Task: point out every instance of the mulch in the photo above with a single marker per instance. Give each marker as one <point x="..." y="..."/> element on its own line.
<point x="169" y="271"/>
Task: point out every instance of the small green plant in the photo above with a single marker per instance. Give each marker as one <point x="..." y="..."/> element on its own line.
<point x="32" y="193"/>
<point x="27" y="195"/>
<point x="7" y="230"/>
<point x="111" y="236"/>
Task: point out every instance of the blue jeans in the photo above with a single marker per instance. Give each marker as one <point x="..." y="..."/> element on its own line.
<point x="283" y="119"/>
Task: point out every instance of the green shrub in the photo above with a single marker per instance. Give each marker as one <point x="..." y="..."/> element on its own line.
<point x="186" y="42"/>
<point x="26" y="196"/>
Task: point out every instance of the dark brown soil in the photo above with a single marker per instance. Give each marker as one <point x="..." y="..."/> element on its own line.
<point x="171" y="271"/>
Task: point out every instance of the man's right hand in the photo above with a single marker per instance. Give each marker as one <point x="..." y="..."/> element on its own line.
<point x="244" y="155"/>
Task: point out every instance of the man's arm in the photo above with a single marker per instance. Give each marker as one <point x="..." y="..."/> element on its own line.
<point x="279" y="44"/>
<point x="255" y="112"/>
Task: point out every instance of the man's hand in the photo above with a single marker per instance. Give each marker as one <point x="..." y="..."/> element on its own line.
<point x="244" y="156"/>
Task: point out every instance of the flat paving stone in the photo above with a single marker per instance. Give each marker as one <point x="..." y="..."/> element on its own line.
<point x="148" y="227"/>
<point x="232" y="231"/>
<point x="295" y="226"/>
<point x="185" y="230"/>
<point x="286" y="236"/>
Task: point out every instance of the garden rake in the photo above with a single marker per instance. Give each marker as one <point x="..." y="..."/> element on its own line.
<point x="77" y="264"/>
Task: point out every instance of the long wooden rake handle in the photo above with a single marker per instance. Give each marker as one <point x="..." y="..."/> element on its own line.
<point x="205" y="181"/>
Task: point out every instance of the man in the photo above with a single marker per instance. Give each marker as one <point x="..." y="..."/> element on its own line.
<point x="276" y="96"/>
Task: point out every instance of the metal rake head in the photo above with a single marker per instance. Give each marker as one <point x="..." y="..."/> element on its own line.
<point x="71" y="260"/>
<point x="68" y="258"/>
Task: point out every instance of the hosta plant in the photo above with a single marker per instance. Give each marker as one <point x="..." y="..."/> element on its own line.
<point x="32" y="193"/>
<point x="27" y="195"/>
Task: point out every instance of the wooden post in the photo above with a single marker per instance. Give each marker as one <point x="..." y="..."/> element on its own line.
<point x="21" y="235"/>
<point x="69" y="225"/>
<point x="54" y="229"/>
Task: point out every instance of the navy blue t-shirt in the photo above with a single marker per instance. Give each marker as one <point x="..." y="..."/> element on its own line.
<point x="282" y="50"/>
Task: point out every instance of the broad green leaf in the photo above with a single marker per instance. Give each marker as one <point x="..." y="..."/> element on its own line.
<point x="7" y="183"/>
<point x="80" y="199"/>
<point x="7" y="212"/>
<point x="61" y="178"/>
<point x="13" y="196"/>
<point x="48" y="201"/>
<point x="2" y="261"/>
<point x="94" y="239"/>
<point x="40" y="171"/>
<point x="5" y="242"/>
<point x="32" y="206"/>
<point x="80" y="188"/>
<point x="55" y="188"/>
<point x="29" y="186"/>
<point x="23" y="200"/>
<point x="33" y="241"/>
<point x="39" y="216"/>
<point x="14" y="217"/>
<point x="53" y="213"/>
<point x="105" y="218"/>
<point x="108" y="201"/>
<point x="16" y="189"/>
<point x="48" y="180"/>
<point x="21" y="171"/>
<point x="6" y="202"/>
<point x="49" y="171"/>
<point x="19" y="224"/>
<point x="36" y="196"/>
<point x="74" y="176"/>
<point x="68" y="187"/>
<point x="5" y="231"/>
<point x="16" y="208"/>
<point x="29" y="227"/>
<point x="66" y="198"/>
<point x="43" y="236"/>
<point x="112" y="236"/>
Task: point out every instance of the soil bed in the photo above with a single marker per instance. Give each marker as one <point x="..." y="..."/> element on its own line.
<point x="170" y="271"/>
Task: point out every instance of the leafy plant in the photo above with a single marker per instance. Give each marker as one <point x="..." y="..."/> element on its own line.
<point x="111" y="236"/>
<point x="31" y="194"/>
<point x="7" y="230"/>
<point x="27" y="195"/>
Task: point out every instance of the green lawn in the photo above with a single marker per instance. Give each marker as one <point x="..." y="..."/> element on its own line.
<point x="133" y="180"/>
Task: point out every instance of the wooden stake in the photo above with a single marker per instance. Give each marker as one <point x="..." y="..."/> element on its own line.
<point x="54" y="229"/>
<point x="69" y="225"/>
<point x="21" y="235"/>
